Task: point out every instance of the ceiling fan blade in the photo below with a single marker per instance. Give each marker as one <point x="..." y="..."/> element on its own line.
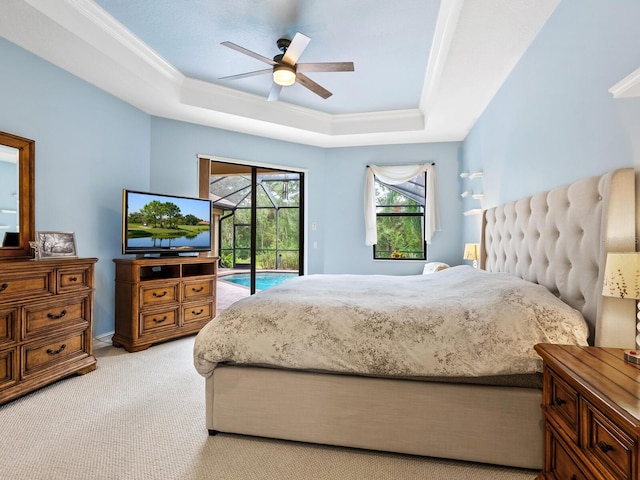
<point x="297" y="46"/>
<point x="274" y="94"/>
<point x="248" y="74"/>
<point x="325" y="67"/>
<point x="255" y="55"/>
<point x="305" y="81"/>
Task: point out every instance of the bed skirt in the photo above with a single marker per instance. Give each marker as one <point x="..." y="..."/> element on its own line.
<point x="488" y="424"/>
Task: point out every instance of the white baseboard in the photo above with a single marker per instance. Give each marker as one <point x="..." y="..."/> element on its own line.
<point x="105" y="337"/>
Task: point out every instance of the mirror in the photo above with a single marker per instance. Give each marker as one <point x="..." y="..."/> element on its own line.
<point x="17" y="218"/>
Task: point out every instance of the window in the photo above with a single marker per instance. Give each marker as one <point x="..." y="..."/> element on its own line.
<point x="400" y="220"/>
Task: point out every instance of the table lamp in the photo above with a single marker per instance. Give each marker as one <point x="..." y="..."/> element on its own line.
<point x="472" y="252"/>
<point x="622" y="280"/>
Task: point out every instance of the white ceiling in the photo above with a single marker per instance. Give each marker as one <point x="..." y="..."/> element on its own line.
<point x="424" y="69"/>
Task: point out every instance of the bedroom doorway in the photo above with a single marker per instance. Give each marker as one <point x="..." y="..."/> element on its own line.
<point x="259" y="219"/>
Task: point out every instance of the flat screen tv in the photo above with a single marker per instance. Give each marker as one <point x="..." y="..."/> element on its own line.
<point x="154" y="223"/>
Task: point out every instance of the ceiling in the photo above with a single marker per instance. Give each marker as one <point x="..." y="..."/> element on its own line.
<point x="424" y="69"/>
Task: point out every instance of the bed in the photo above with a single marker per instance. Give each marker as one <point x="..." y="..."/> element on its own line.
<point x="557" y="240"/>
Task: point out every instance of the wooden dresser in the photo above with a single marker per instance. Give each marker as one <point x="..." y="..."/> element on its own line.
<point x="159" y="299"/>
<point x="591" y="406"/>
<point x="46" y="315"/>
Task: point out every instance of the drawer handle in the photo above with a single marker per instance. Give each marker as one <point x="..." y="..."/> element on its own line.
<point x="197" y="290"/>
<point x="74" y="279"/>
<point x="574" y="477"/>
<point x="560" y="401"/>
<point x="604" y="446"/>
<point x="197" y="313"/>
<point x="56" y="352"/>
<point x="159" y="295"/>
<point x="3" y="287"/>
<point x="53" y="316"/>
<point x="159" y="320"/>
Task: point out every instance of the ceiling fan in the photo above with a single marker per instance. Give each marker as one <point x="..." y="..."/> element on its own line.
<point x="285" y="69"/>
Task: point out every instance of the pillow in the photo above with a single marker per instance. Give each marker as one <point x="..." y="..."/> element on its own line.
<point x="433" y="267"/>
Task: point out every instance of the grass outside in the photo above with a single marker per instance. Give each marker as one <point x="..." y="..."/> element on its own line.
<point x="138" y="230"/>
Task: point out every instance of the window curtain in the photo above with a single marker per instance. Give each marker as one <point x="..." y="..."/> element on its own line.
<point x="394" y="175"/>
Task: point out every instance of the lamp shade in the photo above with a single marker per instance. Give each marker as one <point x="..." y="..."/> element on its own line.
<point x="471" y="251"/>
<point x="622" y="275"/>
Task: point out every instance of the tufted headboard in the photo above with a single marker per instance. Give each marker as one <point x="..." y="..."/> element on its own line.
<point x="560" y="239"/>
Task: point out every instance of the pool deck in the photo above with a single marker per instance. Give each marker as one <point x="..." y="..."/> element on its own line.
<point x="229" y="271"/>
<point x="228" y="293"/>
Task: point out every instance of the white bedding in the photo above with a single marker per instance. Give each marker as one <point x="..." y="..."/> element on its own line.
<point x="459" y="322"/>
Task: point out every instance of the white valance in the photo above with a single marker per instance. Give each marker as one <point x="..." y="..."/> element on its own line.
<point x="394" y="175"/>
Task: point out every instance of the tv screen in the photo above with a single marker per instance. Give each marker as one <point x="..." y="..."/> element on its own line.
<point x="164" y="224"/>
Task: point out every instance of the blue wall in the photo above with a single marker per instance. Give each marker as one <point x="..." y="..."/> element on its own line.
<point x="554" y="120"/>
<point x="335" y="188"/>
<point x="345" y="251"/>
<point x="175" y="147"/>
<point x="90" y="145"/>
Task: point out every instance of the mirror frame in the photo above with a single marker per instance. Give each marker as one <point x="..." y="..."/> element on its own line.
<point x="26" y="196"/>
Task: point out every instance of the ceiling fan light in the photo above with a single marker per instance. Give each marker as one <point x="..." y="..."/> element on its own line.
<point x="284" y="75"/>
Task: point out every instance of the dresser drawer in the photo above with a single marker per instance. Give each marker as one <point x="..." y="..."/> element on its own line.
<point x="38" y="356"/>
<point x="561" y="465"/>
<point x="158" y="321"/>
<point x="8" y="367"/>
<point x="41" y="318"/>
<point x="197" y="289"/>
<point x="8" y="322"/>
<point x="607" y="444"/>
<point x="33" y="284"/>
<point x="73" y="279"/>
<point x="197" y="313"/>
<point x="151" y="295"/>
<point x="563" y="404"/>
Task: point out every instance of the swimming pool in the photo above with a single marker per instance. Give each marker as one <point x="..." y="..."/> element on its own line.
<point x="264" y="280"/>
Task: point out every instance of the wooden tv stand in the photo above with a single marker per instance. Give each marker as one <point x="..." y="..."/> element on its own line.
<point x="163" y="298"/>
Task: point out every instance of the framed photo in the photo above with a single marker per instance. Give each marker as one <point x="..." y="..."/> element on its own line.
<point x="55" y="245"/>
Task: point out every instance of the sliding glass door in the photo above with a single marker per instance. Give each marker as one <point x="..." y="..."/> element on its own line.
<point x="261" y="222"/>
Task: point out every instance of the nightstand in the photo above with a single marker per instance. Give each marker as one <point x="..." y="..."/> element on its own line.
<point x="591" y="407"/>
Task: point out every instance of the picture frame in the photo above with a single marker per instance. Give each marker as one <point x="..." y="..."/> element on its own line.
<point x="55" y="245"/>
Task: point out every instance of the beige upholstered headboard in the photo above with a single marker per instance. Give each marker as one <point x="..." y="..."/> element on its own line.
<point x="560" y="239"/>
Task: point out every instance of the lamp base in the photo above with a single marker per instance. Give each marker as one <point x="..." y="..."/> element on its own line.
<point x="632" y="356"/>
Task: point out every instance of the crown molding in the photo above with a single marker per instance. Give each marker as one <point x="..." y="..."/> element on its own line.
<point x="628" y="87"/>
<point x="83" y="39"/>
<point x="101" y="51"/>
<point x="446" y="25"/>
<point x="91" y="23"/>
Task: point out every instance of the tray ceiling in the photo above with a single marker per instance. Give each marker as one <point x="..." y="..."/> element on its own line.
<point x="424" y="69"/>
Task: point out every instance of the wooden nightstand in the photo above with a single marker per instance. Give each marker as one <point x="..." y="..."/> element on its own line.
<point x="591" y="406"/>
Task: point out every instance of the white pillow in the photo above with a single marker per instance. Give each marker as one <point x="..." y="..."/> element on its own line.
<point x="433" y="267"/>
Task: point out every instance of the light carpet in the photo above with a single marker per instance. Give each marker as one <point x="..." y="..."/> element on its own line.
<point x="141" y="416"/>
